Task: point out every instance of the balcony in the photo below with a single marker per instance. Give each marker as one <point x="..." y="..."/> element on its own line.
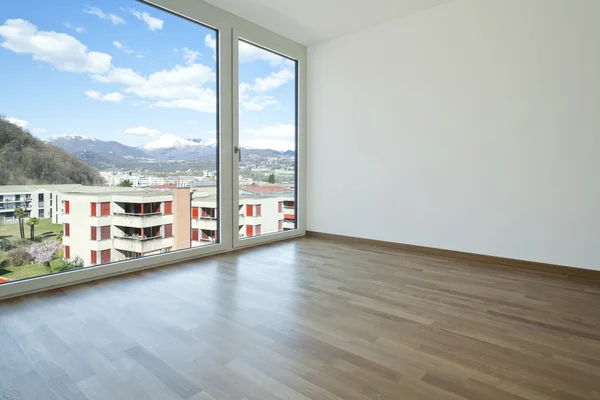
<point x="142" y="245"/>
<point x="287" y="225"/>
<point x="141" y="220"/>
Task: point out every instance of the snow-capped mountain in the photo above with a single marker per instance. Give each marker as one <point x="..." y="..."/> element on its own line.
<point x="170" y="142"/>
<point x="71" y="137"/>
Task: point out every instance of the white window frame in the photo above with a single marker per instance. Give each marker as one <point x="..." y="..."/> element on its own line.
<point x="229" y="28"/>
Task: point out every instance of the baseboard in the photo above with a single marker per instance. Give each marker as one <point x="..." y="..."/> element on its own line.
<point x="532" y="266"/>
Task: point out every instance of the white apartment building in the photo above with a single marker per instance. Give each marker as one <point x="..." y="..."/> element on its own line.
<point x="117" y="178"/>
<point x="40" y="201"/>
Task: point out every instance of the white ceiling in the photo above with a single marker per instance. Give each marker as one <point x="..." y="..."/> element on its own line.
<point x="314" y="21"/>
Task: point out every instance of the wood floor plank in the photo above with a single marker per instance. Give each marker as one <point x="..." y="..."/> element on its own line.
<point x="313" y="318"/>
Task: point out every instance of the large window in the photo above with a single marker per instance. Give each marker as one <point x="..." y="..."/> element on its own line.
<point x="123" y="115"/>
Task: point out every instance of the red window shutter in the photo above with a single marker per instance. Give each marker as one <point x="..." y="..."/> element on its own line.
<point x="257" y="230"/>
<point x="94" y="257"/>
<point x="258" y="210"/>
<point x="168" y="230"/>
<point x="215" y="235"/>
<point x="249" y="210"/>
<point x="67" y="252"/>
<point x="168" y="207"/>
<point x="67" y="207"/>
<point x="195" y="213"/>
<point x="105" y="233"/>
<point x="280" y="206"/>
<point x="289" y="217"/>
<point x="280" y="225"/>
<point x="249" y="231"/>
<point x="94" y="235"/>
<point x="93" y="209"/>
<point x="104" y="209"/>
<point x="195" y="234"/>
<point x="105" y="256"/>
<point x="67" y="232"/>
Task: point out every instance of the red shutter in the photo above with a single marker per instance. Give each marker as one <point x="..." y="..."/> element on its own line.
<point x="94" y="233"/>
<point x="67" y="232"/>
<point x="289" y="216"/>
<point x="104" y="209"/>
<point x="257" y="230"/>
<point x="168" y="230"/>
<point x="67" y="207"/>
<point x="258" y="210"/>
<point x="94" y="257"/>
<point x="280" y="206"/>
<point x="105" y="233"/>
<point x="280" y="225"/>
<point x="249" y="231"/>
<point x="168" y="207"/>
<point x="249" y="210"/>
<point x="195" y="213"/>
<point x="67" y="252"/>
<point x="93" y="209"/>
<point x="195" y="234"/>
<point x="105" y="256"/>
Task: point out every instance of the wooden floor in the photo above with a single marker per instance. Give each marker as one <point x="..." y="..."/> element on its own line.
<point x="307" y="319"/>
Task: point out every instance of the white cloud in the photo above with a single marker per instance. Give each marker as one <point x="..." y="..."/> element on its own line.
<point x="190" y="56"/>
<point x="249" y="53"/>
<point x="77" y="29"/>
<point x="115" y="97"/>
<point x="61" y="50"/>
<point x="122" y="47"/>
<point x="273" y="131"/>
<point x="273" y="81"/>
<point x="204" y="101"/>
<point x="21" y="123"/>
<point x="192" y="122"/>
<point x="142" y="131"/>
<point x="258" y="103"/>
<point x="211" y="43"/>
<point x="115" y="19"/>
<point x="39" y="130"/>
<point x="125" y="76"/>
<point x="152" y="22"/>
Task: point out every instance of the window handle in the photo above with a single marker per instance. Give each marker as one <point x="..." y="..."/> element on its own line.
<point x="238" y="150"/>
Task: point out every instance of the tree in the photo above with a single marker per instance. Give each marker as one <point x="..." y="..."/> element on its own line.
<point x="272" y="178"/>
<point x="126" y="183"/>
<point x="43" y="253"/>
<point x="21" y="214"/>
<point x="32" y="223"/>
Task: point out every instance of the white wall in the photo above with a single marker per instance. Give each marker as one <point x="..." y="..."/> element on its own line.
<point x="473" y="126"/>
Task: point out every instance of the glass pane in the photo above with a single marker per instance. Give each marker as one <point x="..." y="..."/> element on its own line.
<point x="109" y="136"/>
<point x="267" y="137"/>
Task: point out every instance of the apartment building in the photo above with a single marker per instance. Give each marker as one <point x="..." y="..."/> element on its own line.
<point x="40" y="201"/>
<point x="105" y="225"/>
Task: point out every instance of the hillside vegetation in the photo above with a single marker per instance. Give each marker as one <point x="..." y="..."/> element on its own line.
<point x="26" y="160"/>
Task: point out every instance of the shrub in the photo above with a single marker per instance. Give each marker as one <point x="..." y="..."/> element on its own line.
<point x="6" y="245"/>
<point x="77" y="262"/>
<point x="18" y="257"/>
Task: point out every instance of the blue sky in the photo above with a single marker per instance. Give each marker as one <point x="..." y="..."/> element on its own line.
<point x="121" y="70"/>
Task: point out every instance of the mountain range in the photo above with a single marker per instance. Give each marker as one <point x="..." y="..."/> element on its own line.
<point x="168" y="153"/>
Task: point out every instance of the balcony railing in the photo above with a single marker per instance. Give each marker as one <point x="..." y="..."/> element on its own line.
<point x="207" y="217"/>
<point x="138" y="214"/>
<point x="139" y="238"/>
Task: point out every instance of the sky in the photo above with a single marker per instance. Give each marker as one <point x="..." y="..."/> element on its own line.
<point x="122" y="70"/>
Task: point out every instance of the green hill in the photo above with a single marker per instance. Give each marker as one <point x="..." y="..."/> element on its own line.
<point x="25" y="160"/>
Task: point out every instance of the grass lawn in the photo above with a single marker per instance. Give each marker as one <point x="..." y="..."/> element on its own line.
<point x="43" y="230"/>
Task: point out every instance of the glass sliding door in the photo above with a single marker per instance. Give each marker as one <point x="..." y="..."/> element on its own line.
<point x="266" y="152"/>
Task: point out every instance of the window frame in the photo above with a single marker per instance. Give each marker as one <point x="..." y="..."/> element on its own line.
<point x="228" y="28"/>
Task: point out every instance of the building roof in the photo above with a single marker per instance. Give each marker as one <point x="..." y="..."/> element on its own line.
<point x="19" y="189"/>
<point x="269" y="190"/>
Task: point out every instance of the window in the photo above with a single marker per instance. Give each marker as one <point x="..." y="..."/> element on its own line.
<point x="67" y="230"/>
<point x="258" y="210"/>
<point x="94" y="235"/>
<point x="67" y="252"/>
<point x="41" y="197"/>
<point x="67" y="207"/>
<point x="253" y="230"/>
<point x="249" y="210"/>
<point x="195" y="235"/>
<point x="280" y="207"/>
<point x="195" y="213"/>
<point x="168" y="207"/>
<point x="280" y="225"/>
<point x="105" y="256"/>
<point x="94" y="209"/>
<point x="94" y="257"/>
<point x="169" y="230"/>
<point x="104" y="209"/>
<point x="104" y="232"/>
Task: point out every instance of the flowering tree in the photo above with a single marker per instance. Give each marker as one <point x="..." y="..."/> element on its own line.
<point x="43" y="253"/>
